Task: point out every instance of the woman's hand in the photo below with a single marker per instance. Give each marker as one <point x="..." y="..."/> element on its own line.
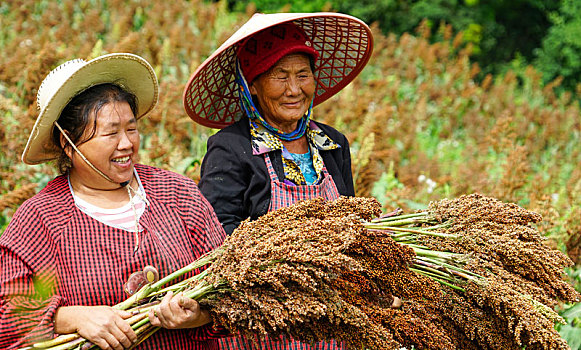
<point x="178" y="311"/>
<point x="103" y="326"/>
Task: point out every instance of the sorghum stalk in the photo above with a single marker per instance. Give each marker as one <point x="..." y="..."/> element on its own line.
<point x="69" y="341"/>
<point x="149" y="289"/>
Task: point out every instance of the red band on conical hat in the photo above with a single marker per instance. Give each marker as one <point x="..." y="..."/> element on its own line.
<point x="343" y="43"/>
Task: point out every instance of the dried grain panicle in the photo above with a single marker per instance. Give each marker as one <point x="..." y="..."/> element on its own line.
<point x="503" y="234"/>
<point x="517" y="314"/>
<point x="523" y="277"/>
<point x="481" y="328"/>
<point x="286" y="273"/>
<point x="417" y="324"/>
<point x="476" y="207"/>
<point x="514" y="281"/>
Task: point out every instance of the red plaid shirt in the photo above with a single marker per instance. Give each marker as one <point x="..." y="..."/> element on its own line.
<point x="52" y="255"/>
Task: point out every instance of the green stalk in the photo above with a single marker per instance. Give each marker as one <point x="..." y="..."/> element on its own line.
<point x="69" y="345"/>
<point x="411" y="230"/>
<point x="397" y="236"/>
<point x="448" y="284"/>
<point x="400" y="217"/>
<point x="144" y="338"/>
<point x="143" y="307"/>
<point x="432" y="270"/>
<point x="177" y="287"/>
<point x="416" y="246"/>
<point x="406" y="241"/>
<point x="141" y="323"/>
<point x="401" y="222"/>
<point x="148" y="289"/>
<point x="56" y="341"/>
<point x="183" y="284"/>
<point x="457" y="270"/>
<point x="201" y="262"/>
<point x="143" y="328"/>
<point x="430" y="274"/>
<point x="437" y="227"/>
<point x="199" y="291"/>
<point x="134" y="319"/>
<point x="435" y="254"/>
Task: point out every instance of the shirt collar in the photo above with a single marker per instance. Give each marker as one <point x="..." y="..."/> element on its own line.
<point x="263" y="141"/>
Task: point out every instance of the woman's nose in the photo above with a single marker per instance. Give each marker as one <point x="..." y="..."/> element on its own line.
<point x="125" y="141"/>
<point x="293" y="86"/>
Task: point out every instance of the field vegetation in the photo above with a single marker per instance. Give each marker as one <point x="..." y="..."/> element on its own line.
<point x="421" y="127"/>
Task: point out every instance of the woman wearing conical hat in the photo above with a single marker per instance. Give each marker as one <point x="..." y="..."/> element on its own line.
<point x="261" y="86"/>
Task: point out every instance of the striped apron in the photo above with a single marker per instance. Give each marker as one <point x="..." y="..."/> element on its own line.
<point x="284" y="195"/>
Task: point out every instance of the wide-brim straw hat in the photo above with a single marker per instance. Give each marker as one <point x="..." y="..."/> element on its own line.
<point x="344" y="44"/>
<point x="130" y="72"/>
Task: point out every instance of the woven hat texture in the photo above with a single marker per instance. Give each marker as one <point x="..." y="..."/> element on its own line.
<point x="344" y="44"/>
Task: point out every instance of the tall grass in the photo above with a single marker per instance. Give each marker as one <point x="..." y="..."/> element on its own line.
<point x="437" y="133"/>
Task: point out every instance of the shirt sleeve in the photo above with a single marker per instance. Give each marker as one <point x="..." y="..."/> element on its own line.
<point x="201" y="221"/>
<point x="27" y="282"/>
<point x="224" y="182"/>
<point x="208" y="235"/>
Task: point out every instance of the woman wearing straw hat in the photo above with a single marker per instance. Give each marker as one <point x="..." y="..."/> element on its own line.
<point x="261" y="86"/>
<point x="70" y="249"/>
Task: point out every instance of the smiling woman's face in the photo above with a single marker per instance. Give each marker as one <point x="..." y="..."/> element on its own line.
<point x="112" y="148"/>
<point x="285" y="91"/>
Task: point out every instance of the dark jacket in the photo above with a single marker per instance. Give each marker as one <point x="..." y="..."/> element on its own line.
<point x="236" y="182"/>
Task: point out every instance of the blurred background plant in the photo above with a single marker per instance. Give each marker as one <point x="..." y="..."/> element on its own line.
<point x="459" y="96"/>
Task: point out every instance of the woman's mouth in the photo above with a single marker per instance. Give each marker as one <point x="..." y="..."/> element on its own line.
<point x="296" y="104"/>
<point x="121" y="160"/>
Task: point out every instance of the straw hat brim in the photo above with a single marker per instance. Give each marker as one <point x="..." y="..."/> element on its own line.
<point x="344" y="43"/>
<point x="128" y="71"/>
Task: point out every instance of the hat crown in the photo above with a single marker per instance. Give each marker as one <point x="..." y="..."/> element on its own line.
<point x="56" y="78"/>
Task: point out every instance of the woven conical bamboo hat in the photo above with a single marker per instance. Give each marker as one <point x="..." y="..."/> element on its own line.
<point x="344" y="44"/>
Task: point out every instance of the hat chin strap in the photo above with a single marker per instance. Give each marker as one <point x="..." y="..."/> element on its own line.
<point x="122" y="184"/>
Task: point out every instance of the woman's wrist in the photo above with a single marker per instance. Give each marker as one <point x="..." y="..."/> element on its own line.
<point x="64" y="319"/>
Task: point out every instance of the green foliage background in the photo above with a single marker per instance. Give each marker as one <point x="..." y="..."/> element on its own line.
<point x="560" y="54"/>
<point x="546" y="33"/>
<point x="438" y="112"/>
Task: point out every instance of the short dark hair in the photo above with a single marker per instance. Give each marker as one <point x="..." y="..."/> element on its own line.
<point x="77" y="114"/>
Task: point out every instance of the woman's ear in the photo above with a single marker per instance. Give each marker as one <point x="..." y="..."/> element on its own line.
<point x="65" y="146"/>
<point x="252" y="89"/>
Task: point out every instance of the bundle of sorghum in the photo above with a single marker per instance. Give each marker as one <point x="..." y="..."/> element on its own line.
<point x="500" y="280"/>
<point x="301" y="271"/>
<point x="473" y="274"/>
<point x="307" y="271"/>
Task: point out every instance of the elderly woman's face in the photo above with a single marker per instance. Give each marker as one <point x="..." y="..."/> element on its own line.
<point x="285" y="91"/>
<point x="113" y="147"/>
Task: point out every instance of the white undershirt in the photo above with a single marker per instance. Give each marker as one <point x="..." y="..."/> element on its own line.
<point x="123" y="217"/>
